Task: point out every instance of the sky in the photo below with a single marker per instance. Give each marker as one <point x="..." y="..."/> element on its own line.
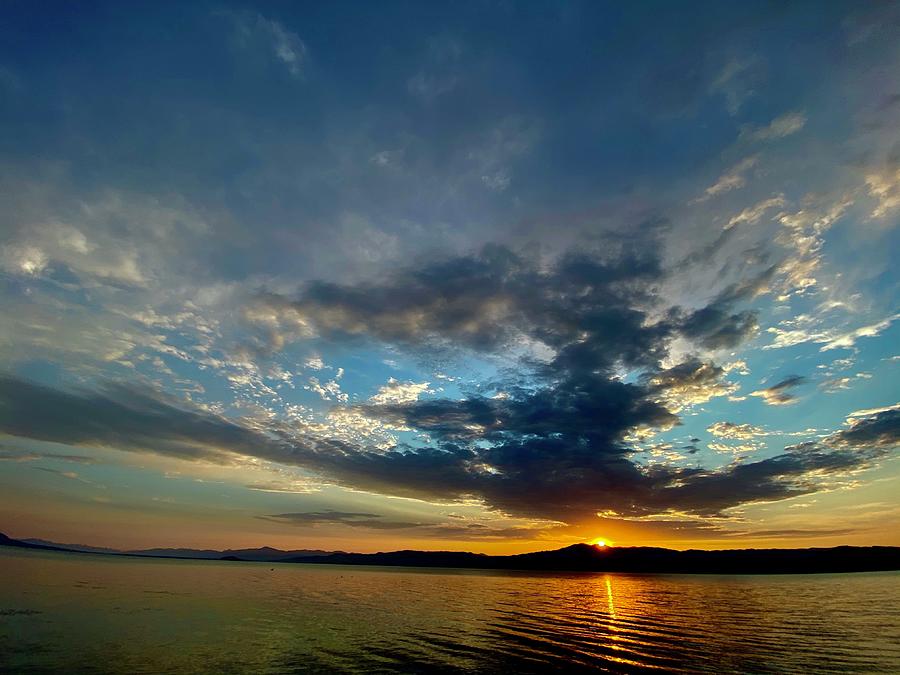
<point x="484" y="276"/>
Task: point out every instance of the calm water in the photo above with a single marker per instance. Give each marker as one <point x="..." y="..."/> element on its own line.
<point x="96" y="614"/>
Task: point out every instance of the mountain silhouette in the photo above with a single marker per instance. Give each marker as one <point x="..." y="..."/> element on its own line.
<point x="575" y="558"/>
<point x="263" y="554"/>
<point x="585" y="557"/>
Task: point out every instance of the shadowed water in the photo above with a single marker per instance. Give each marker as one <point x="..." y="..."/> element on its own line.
<point x="98" y="614"/>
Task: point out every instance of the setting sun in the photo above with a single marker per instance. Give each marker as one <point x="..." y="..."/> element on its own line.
<point x="601" y="543"/>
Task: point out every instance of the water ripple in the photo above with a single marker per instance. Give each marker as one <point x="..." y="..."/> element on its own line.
<point x="182" y="616"/>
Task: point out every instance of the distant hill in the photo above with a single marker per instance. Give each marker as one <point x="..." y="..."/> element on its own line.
<point x="584" y="557"/>
<point x="264" y="554"/>
<point x="70" y="547"/>
<point x="6" y="541"/>
<point x="578" y="557"/>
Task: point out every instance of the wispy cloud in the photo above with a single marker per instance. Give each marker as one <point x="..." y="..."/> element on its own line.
<point x="732" y="179"/>
<point x="781" y="127"/>
<point x="253" y="30"/>
<point x="884" y="188"/>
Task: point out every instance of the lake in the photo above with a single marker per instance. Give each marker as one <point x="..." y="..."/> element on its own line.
<point x="87" y="613"/>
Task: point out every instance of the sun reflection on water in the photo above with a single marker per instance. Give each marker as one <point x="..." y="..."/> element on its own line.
<point x="609" y="598"/>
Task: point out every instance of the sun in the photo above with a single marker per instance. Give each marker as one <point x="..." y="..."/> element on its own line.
<point x="599" y="543"/>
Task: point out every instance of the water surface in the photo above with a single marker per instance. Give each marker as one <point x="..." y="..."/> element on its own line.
<point x="99" y="614"/>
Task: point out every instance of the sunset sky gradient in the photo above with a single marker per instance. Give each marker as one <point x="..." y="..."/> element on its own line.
<point x="485" y="276"/>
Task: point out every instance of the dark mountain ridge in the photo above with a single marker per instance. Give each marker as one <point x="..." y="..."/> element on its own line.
<point x="6" y="541"/>
<point x="263" y="554"/>
<point x="575" y="558"/>
<point x="584" y="557"/>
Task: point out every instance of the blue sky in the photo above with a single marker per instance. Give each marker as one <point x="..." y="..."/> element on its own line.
<point x="490" y="277"/>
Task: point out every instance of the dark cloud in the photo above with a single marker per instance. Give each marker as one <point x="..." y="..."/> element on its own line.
<point x="705" y="254"/>
<point x="367" y="520"/>
<point x="452" y="530"/>
<point x="787" y="475"/>
<point x="779" y="393"/>
<point x="714" y="328"/>
<point x="799" y="470"/>
<point x="717" y="326"/>
<point x="124" y="417"/>
<point x="578" y="409"/>
<point x="878" y="430"/>
<point x="592" y="310"/>
<point x="23" y="456"/>
<point x="524" y="468"/>
<point x="556" y="445"/>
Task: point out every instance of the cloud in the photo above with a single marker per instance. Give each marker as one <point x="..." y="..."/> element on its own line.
<point x="292" y="487"/>
<point x="732" y="430"/>
<point x="400" y="392"/>
<point x="838" y="384"/>
<point x="878" y="430"/>
<point x="586" y="310"/>
<point x="732" y="179"/>
<point x="736" y="81"/>
<point x="440" y="72"/>
<point x="582" y="408"/>
<point x="351" y="519"/>
<point x="802" y="469"/>
<point x="847" y="340"/>
<point x="489" y="301"/>
<point x="802" y="234"/>
<point x="253" y="30"/>
<point x="556" y="446"/>
<point x="779" y="393"/>
<point x="869" y="412"/>
<point x="498" y="181"/>
<point x="327" y="391"/>
<point x="734" y="449"/>
<point x="13" y="455"/>
<point x="113" y="237"/>
<point x="716" y="326"/>
<point x="780" y="127"/>
<point x="884" y="188"/>
<point x="72" y="475"/>
<point x="752" y="214"/>
<point x="314" y="363"/>
<point x="805" y="328"/>
<point x="519" y="465"/>
<point x="794" y="533"/>
<point x="125" y="417"/>
<point x="690" y="383"/>
<point x="428" y="86"/>
<point x="420" y="529"/>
